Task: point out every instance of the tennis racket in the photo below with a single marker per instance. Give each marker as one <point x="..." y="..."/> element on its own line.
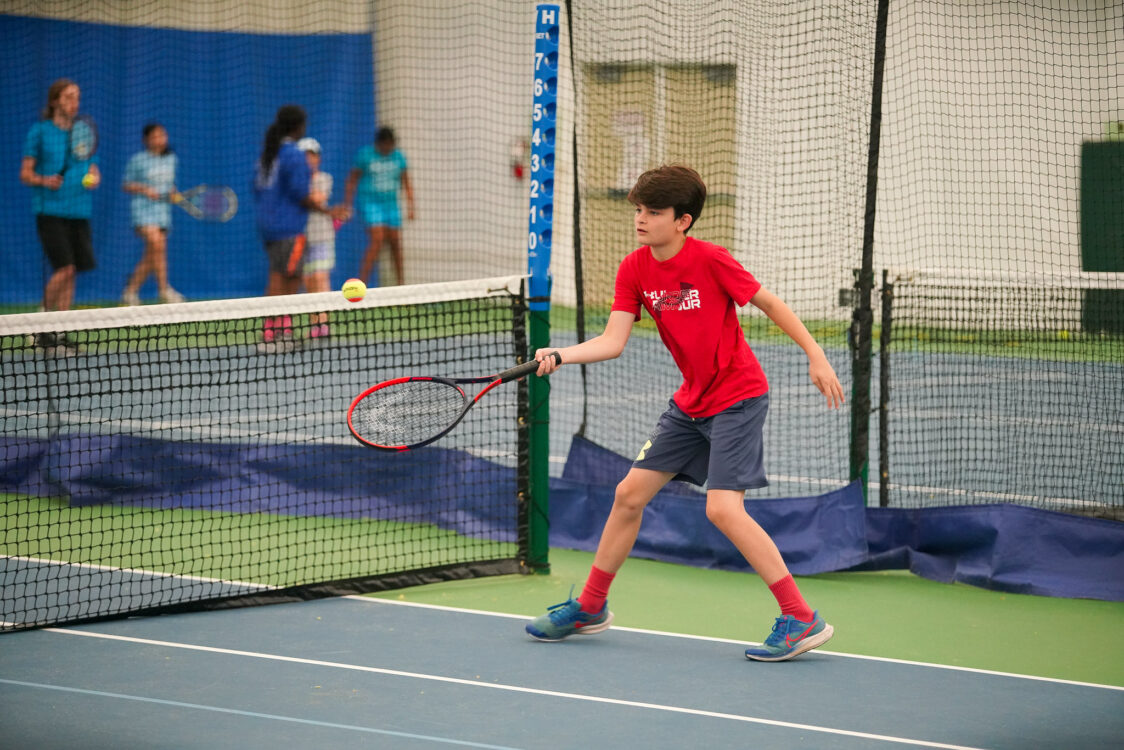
<point x="81" y="142"/>
<point x="408" y="413"/>
<point x="207" y="202"/>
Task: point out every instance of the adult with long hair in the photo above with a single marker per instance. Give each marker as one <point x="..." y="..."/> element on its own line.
<point x="60" y="194"/>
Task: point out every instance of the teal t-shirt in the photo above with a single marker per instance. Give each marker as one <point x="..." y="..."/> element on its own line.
<point x="381" y="176"/>
<point x="157" y="171"/>
<point x="46" y="144"/>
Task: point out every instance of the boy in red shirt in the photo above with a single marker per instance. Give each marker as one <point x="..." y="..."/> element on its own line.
<point x="711" y="431"/>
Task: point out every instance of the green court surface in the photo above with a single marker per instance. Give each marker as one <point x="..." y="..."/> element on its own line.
<point x="255" y="548"/>
<point x="891" y="614"/>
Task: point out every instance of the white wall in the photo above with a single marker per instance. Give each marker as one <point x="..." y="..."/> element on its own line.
<point x="985" y="107"/>
<point x="803" y="79"/>
<point x="455" y="81"/>
<point x="981" y="162"/>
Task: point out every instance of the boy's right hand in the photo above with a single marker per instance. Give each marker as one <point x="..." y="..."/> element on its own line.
<point x="548" y="362"/>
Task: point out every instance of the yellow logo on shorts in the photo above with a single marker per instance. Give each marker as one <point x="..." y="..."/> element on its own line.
<point x="644" y="450"/>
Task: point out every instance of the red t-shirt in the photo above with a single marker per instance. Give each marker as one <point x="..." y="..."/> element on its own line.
<point x="693" y="298"/>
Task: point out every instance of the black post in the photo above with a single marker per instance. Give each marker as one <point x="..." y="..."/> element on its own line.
<point x="884" y="392"/>
<point x="862" y="318"/>
<point x="579" y="284"/>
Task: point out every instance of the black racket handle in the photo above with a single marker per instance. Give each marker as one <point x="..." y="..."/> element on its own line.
<point x="525" y="369"/>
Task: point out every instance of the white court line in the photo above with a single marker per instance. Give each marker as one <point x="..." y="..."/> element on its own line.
<point x="256" y="715"/>
<point x="136" y="571"/>
<point x="514" y="689"/>
<point x="230" y="586"/>
<point x="688" y="636"/>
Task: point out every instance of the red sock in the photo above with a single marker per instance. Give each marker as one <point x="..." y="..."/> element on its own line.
<point x="792" y="603"/>
<point x="596" y="590"/>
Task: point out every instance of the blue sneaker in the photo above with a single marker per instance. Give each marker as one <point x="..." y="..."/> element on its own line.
<point x="567" y="619"/>
<point x="791" y="637"/>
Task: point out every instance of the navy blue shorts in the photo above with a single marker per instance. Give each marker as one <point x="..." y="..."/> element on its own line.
<point x="724" y="451"/>
<point x="66" y="242"/>
<point x="280" y="254"/>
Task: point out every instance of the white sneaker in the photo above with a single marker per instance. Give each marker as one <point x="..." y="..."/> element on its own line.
<point x="130" y="298"/>
<point x="171" y="295"/>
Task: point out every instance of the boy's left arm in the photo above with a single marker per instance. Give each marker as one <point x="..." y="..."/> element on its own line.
<point x="819" y="369"/>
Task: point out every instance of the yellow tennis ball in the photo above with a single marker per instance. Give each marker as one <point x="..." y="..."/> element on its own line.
<point x="89" y="181"/>
<point x="354" y="290"/>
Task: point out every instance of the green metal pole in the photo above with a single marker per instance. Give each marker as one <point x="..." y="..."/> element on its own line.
<point x="538" y="510"/>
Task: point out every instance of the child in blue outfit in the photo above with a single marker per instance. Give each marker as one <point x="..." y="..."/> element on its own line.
<point x="150" y="176"/>
<point x="379" y="171"/>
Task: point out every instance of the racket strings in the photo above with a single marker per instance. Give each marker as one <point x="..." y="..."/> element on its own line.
<point x="407" y="413"/>
<point x="215" y="203"/>
<point x="82" y="140"/>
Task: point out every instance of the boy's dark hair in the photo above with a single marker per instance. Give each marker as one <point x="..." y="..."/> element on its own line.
<point x="674" y="186"/>
<point x="384" y="135"/>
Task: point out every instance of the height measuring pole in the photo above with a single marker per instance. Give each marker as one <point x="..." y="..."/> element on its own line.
<point x="540" y="224"/>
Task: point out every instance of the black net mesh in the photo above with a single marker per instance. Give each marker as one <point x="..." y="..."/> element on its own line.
<point x="999" y="224"/>
<point x="998" y="165"/>
<point x="770" y="103"/>
<point x="166" y="460"/>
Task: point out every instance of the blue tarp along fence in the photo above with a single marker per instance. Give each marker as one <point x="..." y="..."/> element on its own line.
<point x="1001" y="547"/>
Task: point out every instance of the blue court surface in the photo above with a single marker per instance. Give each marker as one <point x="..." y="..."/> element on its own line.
<point x="358" y="672"/>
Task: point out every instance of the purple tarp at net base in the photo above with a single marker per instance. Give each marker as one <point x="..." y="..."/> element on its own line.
<point x="338" y="481"/>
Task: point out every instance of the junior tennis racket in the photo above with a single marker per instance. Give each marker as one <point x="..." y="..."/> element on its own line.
<point x="207" y="202"/>
<point x="408" y="413"/>
<point x="81" y="142"/>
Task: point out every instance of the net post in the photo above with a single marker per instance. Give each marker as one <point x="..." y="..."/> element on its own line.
<point x="576" y="223"/>
<point x="543" y="133"/>
<point x="862" y="319"/>
<point x="884" y="391"/>
<point x="860" y="336"/>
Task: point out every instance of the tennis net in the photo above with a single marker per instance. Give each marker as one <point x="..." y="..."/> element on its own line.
<point x="1003" y="387"/>
<point x="166" y="458"/>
